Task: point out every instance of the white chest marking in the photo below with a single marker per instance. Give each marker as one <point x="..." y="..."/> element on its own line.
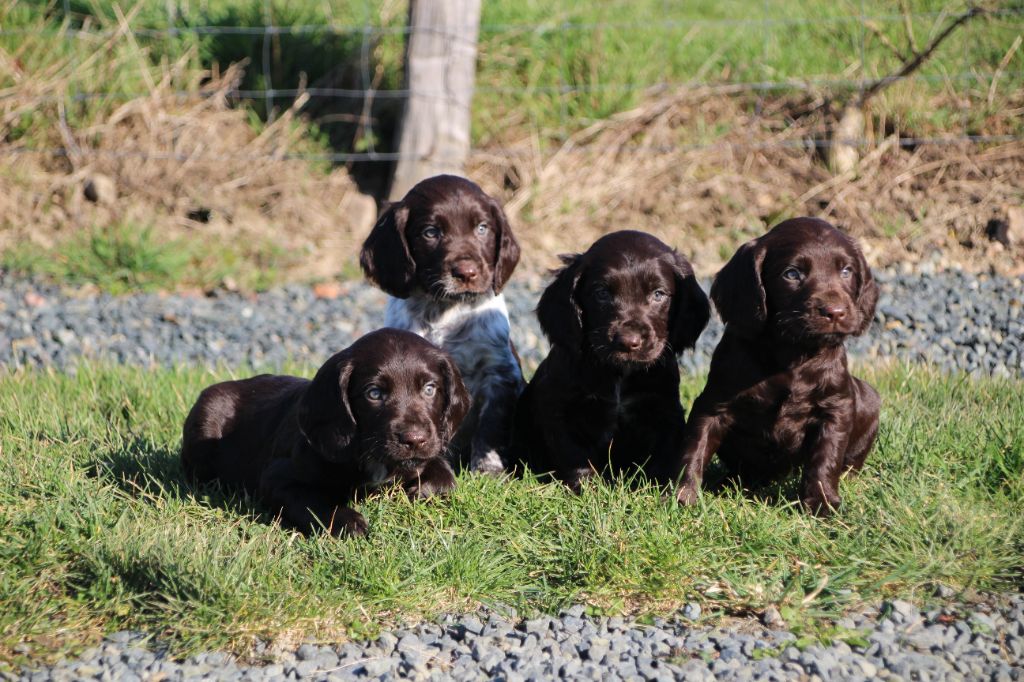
<point x="475" y="334"/>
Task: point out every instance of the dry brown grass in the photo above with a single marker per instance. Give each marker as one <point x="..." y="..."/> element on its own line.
<point x="703" y="172"/>
<point x="190" y="167"/>
<point x="698" y="168"/>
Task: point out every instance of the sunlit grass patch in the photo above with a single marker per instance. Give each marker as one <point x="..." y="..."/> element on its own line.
<point x="100" y="532"/>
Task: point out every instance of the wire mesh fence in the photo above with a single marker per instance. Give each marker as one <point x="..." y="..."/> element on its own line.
<point x="340" y="67"/>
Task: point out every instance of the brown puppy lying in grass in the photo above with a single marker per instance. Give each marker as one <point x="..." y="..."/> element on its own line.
<point x="607" y="395"/>
<point x="779" y="394"/>
<point x="382" y="410"/>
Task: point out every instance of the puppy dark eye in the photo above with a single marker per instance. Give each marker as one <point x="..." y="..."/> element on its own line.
<point x="482" y="229"/>
<point x="374" y="393"/>
<point x="846" y="272"/>
<point x="792" y="274"/>
<point x="429" y="389"/>
<point x="659" y="295"/>
<point x="431" y="232"/>
<point x="602" y="295"/>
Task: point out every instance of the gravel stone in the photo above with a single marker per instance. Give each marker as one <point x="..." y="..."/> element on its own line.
<point x="903" y="612"/>
<point x="952" y="319"/>
<point x="306" y="652"/>
<point x="773" y="619"/>
<point x="982" y="642"/>
<point x="375" y="667"/>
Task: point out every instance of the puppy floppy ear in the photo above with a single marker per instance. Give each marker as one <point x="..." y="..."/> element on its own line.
<point x="457" y="400"/>
<point x="325" y="416"/>
<point x="560" y="315"/>
<point x="690" y="307"/>
<point x="867" y="293"/>
<point x="385" y="257"/>
<point x="506" y="255"/>
<point x="738" y="291"/>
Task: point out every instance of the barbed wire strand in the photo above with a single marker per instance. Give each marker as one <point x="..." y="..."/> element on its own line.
<point x="562" y="90"/>
<point x="549" y="27"/>
<point x="342" y="157"/>
<point x="736" y="87"/>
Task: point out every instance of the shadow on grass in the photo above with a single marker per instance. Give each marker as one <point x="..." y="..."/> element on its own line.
<point x="145" y="470"/>
<point x="149" y="471"/>
<point x="775" y="490"/>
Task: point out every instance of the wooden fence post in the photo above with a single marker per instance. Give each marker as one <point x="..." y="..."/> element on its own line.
<point x="440" y="68"/>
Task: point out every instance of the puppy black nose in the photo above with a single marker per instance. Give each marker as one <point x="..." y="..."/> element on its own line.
<point x="629" y="340"/>
<point x="413" y="439"/>
<point x="835" y="313"/>
<point x="465" y="271"/>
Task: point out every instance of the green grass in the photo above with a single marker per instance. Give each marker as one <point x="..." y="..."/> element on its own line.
<point x="126" y="258"/>
<point x="596" y="48"/>
<point x="99" y="532"/>
<point x="545" y="70"/>
<point x="554" y="67"/>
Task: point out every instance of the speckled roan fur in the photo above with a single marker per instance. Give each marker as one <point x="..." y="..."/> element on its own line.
<point x="476" y="334"/>
<point x="468" y="319"/>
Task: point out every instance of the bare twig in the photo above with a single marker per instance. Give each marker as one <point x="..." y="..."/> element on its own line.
<point x="884" y="39"/>
<point x="74" y="152"/>
<point x="912" y="65"/>
<point x="889" y="143"/>
<point x="1003" y="63"/>
<point x="908" y="26"/>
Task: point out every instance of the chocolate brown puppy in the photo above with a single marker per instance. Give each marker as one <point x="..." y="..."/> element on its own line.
<point x="382" y="410"/>
<point x="443" y="254"/>
<point x="606" y="398"/>
<point x="779" y="395"/>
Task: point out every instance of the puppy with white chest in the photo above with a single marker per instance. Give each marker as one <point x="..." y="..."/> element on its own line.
<point x="443" y="254"/>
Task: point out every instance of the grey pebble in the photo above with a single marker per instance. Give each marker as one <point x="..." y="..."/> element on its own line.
<point x="982" y="642"/>
<point x="952" y="319"/>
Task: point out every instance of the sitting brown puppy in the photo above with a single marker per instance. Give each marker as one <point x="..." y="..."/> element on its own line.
<point x="443" y="254"/>
<point x="607" y="395"/>
<point x="779" y="393"/>
<point x="381" y="410"/>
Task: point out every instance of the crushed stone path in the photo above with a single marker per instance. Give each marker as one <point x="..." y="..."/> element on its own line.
<point x="897" y="641"/>
<point x="952" y="319"/>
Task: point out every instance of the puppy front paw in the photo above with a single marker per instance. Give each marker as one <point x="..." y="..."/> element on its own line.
<point x="820" y="502"/>
<point x="436" y="478"/>
<point x="487" y="462"/>
<point x="576" y="478"/>
<point x="348" y="523"/>
<point x="687" y="494"/>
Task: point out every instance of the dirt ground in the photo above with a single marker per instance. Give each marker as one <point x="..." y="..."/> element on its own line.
<point x="192" y="170"/>
<point x="654" y="169"/>
<point x="703" y="169"/>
